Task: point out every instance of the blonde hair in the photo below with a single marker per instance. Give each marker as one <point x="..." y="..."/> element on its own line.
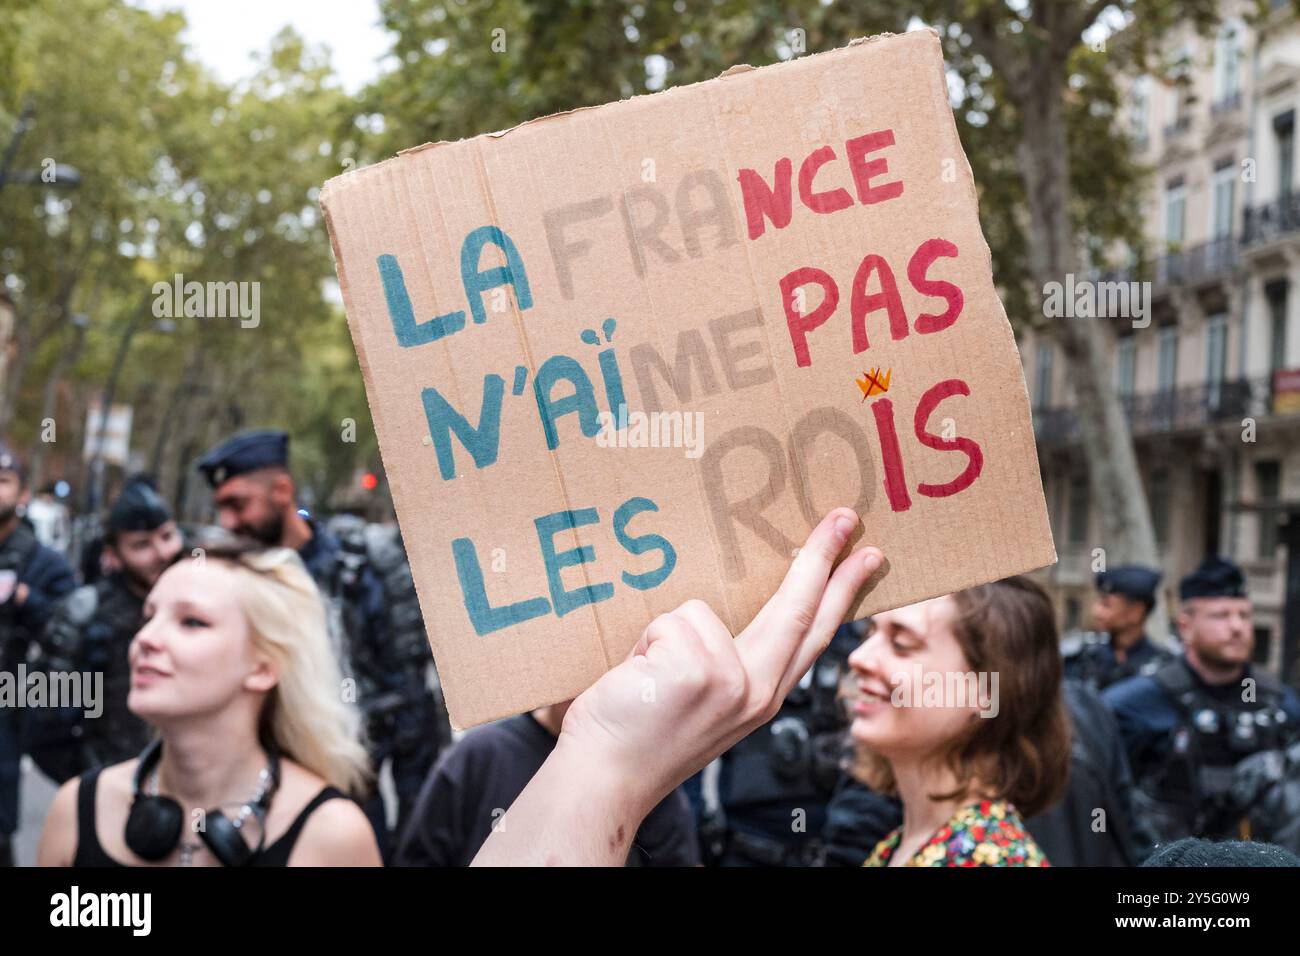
<point x="305" y="715"/>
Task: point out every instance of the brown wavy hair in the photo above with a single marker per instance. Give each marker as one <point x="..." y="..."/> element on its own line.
<point x="1023" y="753"/>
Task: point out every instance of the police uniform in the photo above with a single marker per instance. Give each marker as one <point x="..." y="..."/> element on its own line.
<point x="375" y="625"/>
<point x="91" y="631"/>
<point x="1091" y="659"/>
<point x="405" y="716"/>
<point x="1185" y="737"/>
<point x="774" y="786"/>
<point x="1266" y="786"/>
<point x="23" y="561"/>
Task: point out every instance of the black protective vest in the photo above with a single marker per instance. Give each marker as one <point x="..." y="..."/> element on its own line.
<point x="1190" y="791"/>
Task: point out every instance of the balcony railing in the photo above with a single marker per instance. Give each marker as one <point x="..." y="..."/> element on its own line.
<point x="1226" y="105"/>
<point x="1272" y="220"/>
<point x="1178" y="127"/>
<point x="1195" y="265"/>
<point x="1174" y="410"/>
<point x="1209" y="260"/>
<point x="1169" y="270"/>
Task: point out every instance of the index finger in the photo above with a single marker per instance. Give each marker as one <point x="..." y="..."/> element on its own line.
<point x="772" y="639"/>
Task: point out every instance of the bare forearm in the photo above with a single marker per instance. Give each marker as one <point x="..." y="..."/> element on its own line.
<point x="572" y="813"/>
<point x="622" y="750"/>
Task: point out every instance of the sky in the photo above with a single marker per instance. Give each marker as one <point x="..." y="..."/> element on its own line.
<point x="224" y="34"/>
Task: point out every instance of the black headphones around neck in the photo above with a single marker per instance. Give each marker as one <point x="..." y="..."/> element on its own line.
<point x="154" y="825"/>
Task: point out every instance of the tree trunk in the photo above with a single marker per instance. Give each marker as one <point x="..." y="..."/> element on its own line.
<point x="15" y="372"/>
<point x="1116" y="484"/>
<point x="26" y="338"/>
<point x="49" y="402"/>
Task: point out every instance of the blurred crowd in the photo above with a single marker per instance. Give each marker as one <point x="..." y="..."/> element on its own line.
<point x="264" y="694"/>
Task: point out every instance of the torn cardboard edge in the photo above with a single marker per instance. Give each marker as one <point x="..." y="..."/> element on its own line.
<point x="739" y="69"/>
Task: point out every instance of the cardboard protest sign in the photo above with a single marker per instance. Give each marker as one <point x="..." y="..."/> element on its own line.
<point x="627" y="356"/>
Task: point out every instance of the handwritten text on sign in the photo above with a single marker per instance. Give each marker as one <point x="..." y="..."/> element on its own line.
<point x="873" y="289"/>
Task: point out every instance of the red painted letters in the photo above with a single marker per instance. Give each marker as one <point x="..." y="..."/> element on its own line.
<point x="763" y="202"/>
<point x="930" y="250"/>
<point x="891" y="455"/>
<point x="760" y="201"/>
<point x="975" y="464"/>
<point x="862" y="303"/>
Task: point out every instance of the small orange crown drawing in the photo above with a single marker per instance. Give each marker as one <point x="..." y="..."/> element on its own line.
<point x="873" y="382"/>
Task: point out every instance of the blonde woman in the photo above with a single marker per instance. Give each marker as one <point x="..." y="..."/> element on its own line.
<point x="257" y="751"/>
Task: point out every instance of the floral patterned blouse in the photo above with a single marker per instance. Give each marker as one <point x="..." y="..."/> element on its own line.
<point x="987" y="833"/>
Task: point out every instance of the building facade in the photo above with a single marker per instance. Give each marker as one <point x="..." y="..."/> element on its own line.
<point x="1211" y="386"/>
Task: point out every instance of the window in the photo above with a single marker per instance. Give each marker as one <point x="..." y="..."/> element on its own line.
<point x="1073" y="614"/>
<point x="1216" y="347"/>
<point x="1212" y="510"/>
<point x="1227" y="61"/>
<point x="1284" y="132"/>
<point x="1167" y="358"/>
<point x="1263" y="646"/>
<point x="1043" y="383"/>
<point x="1139" y="106"/>
<point x="1216" y="356"/>
<point x="1078" y="516"/>
<point x="1180" y="72"/>
<point x="1268" y="485"/>
<point x="1126" y="365"/>
<point x="1276" y="293"/>
<point x="1175" y="212"/>
<point x="1158" y="495"/>
<point x="1059" y="490"/>
<point x="1225" y="182"/>
<point x="1052" y="496"/>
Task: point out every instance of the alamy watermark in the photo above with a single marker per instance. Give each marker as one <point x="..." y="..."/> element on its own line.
<point x="1086" y="299"/>
<point x="83" y="690"/>
<point x="637" y="429"/>
<point x="130" y="910"/>
<point x="209" y="300"/>
<point x="916" y="687"/>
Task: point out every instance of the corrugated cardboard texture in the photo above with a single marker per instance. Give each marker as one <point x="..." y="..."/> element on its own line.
<point x="634" y="212"/>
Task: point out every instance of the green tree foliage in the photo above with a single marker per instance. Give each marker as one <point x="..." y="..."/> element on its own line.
<point x="1036" y="109"/>
<point x="183" y="174"/>
<point x="180" y="174"/>
<point x="479" y="65"/>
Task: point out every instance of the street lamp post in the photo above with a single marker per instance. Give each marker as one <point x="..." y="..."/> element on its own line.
<point x="20" y="130"/>
<point x="81" y="324"/>
<point x="64" y="176"/>
<point x="95" y="487"/>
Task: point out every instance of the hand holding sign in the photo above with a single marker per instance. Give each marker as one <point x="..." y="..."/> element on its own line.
<point x="687" y="692"/>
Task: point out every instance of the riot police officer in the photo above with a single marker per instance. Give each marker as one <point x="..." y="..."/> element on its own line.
<point x="91" y="631"/>
<point x="255" y="496"/>
<point x="406" y="725"/>
<point x="1266" y="789"/>
<point x="1187" y="726"/>
<point x="32" y="578"/>
<point x="1120" y="649"/>
<point x="774" y="786"/>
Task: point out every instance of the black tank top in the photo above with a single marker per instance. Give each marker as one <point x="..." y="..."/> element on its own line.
<point x="90" y="853"/>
